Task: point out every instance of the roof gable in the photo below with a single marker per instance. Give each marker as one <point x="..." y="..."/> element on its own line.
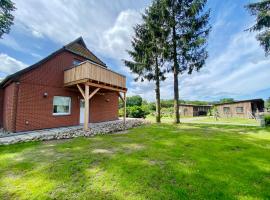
<point x="77" y="47"/>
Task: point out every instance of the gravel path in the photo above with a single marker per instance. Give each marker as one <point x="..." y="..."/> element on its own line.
<point x="70" y="132"/>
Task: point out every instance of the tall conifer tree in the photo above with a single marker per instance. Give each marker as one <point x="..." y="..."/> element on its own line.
<point x="148" y="50"/>
<point x="261" y="10"/>
<point x="188" y="25"/>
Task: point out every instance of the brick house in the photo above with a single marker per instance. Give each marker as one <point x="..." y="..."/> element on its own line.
<point x="244" y="108"/>
<point x="69" y="87"/>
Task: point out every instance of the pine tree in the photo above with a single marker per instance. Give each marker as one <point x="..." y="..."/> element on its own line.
<point x="148" y="53"/>
<point x="189" y="29"/>
<point x="261" y="10"/>
<point x="6" y="18"/>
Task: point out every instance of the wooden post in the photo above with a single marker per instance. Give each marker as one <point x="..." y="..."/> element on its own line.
<point x="87" y="96"/>
<point x="86" y="107"/>
<point x="125" y="110"/>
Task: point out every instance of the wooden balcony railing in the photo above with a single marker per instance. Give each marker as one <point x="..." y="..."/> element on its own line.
<point x="91" y="72"/>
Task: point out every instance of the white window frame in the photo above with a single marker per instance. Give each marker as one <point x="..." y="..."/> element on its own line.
<point x="62" y="114"/>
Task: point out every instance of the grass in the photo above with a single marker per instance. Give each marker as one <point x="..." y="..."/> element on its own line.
<point x="164" y="119"/>
<point x="151" y="162"/>
<point x="231" y="120"/>
<point x="211" y="120"/>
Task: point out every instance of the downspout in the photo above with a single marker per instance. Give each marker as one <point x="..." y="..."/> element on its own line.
<point x="16" y="95"/>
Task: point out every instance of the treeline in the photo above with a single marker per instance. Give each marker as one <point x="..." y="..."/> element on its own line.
<point x="137" y="107"/>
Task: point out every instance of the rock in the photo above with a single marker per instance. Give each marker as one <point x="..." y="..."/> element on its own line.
<point x="71" y="132"/>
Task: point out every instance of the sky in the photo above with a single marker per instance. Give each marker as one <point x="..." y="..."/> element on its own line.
<point x="236" y="68"/>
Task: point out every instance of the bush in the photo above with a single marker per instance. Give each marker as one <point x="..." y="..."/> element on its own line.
<point x="135" y="111"/>
<point x="267" y="120"/>
<point x="167" y="112"/>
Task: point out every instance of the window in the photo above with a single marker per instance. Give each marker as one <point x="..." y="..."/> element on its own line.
<point x="239" y="109"/>
<point x="226" y="110"/>
<point x="61" y="105"/>
<point x="76" y="62"/>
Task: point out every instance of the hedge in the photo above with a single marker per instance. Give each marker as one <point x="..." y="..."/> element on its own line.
<point x="267" y="120"/>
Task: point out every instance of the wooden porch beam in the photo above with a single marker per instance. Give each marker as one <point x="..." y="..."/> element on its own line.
<point x="125" y="108"/>
<point x="93" y="93"/>
<point x="86" y="107"/>
<point x="121" y="97"/>
<point x="81" y="90"/>
<point x="105" y="87"/>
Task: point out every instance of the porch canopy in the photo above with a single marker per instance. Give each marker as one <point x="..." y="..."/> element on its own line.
<point x="86" y="75"/>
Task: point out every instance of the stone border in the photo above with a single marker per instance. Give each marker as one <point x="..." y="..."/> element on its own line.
<point x="71" y="132"/>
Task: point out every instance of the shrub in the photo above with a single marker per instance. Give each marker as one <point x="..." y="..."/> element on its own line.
<point x="135" y="111"/>
<point x="167" y="112"/>
<point x="267" y="120"/>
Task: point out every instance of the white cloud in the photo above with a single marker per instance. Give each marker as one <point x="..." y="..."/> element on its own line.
<point x="107" y="27"/>
<point x="11" y="42"/>
<point x="37" y="34"/>
<point x="9" y="65"/>
<point x="116" y="40"/>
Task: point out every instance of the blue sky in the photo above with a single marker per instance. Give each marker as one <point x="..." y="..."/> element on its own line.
<point x="236" y="66"/>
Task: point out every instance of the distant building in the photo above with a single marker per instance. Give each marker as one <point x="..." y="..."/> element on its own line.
<point x="244" y="108"/>
<point x="190" y="110"/>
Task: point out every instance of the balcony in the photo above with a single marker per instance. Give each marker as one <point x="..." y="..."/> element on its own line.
<point x="91" y="78"/>
<point x="94" y="75"/>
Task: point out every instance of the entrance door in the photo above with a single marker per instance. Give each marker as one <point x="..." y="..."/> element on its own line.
<point x="82" y="111"/>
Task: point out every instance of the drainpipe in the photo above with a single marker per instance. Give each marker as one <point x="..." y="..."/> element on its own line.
<point x="16" y="95"/>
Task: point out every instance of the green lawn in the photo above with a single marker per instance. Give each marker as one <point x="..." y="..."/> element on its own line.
<point x="212" y="120"/>
<point x="231" y="120"/>
<point x="151" y="162"/>
<point x="164" y="119"/>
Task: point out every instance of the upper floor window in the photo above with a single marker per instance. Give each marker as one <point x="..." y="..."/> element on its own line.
<point x="226" y="110"/>
<point x="76" y="62"/>
<point x="239" y="109"/>
<point x="61" y="105"/>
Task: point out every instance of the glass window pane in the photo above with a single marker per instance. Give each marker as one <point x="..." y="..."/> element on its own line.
<point x="76" y="62"/>
<point x="226" y="109"/>
<point x="239" y="109"/>
<point x="61" y="105"/>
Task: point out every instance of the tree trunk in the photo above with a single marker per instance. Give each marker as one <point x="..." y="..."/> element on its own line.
<point x="175" y="76"/>
<point x="157" y="93"/>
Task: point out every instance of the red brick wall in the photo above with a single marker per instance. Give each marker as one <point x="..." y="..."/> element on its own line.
<point x="34" y="111"/>
<point x="1" y="106"/>
<point x="104" y="107"/>
<point x="10" y="105"/>
<point x="51" y="73"/>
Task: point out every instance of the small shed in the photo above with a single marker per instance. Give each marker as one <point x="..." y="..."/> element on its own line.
<point x="244" y="108"/>
<point x="190" y="110"/>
